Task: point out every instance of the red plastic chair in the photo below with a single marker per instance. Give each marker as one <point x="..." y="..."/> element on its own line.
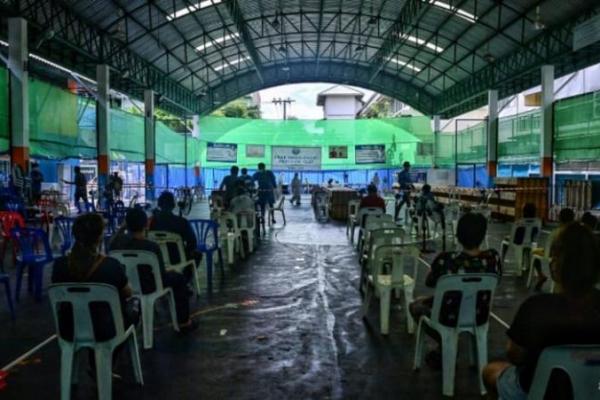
<point x="8" y="221"/>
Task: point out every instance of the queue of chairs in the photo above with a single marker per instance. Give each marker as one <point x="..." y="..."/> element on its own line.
<point x="384" y="257"/>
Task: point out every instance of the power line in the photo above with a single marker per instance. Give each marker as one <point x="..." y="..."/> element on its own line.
<point x="285" y="103"/>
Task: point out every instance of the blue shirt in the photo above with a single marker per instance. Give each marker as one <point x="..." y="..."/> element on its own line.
<point x="404" y="179"/>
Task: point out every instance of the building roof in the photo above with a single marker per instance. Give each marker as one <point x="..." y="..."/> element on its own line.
<point x="340" y="91"/>
<point x="440" y="57"/>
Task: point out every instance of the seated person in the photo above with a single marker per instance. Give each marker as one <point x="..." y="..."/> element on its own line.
<point x="85" y="264"/>
<point x="565" y="217"/>
<point x="470" y="233"/>
<point x="229" y="184"/>
<point x="588" y="219"/>
<point x="529" y="213"/>
<point x="372" y="199"/>
<point x="570" y="316"/>
<point x="242" y="202"/>
<point x="135" y="239"/>
<point x="164" y="220"/>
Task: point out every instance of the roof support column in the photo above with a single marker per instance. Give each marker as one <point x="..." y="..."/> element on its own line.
<point x="437" y="127"/>
<point x="492" y="137"/>
<point x="546" y="162"/>
<point x="103" y="125"/>
<point x="150" y="143"/>
<point x="18" y="54"/>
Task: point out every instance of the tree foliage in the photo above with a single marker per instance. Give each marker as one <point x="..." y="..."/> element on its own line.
<point x="240" y="108"/>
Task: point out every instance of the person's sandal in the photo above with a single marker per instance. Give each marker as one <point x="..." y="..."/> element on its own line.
<point x="189" y="328"/>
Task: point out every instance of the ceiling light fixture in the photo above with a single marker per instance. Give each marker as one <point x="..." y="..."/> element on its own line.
<point x="537" y="23"/>
<point x="192" y="8"/>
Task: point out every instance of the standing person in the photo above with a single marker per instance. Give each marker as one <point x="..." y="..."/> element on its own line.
<point x="405" y="182"/>
<point x="266" y="185"/>
<point x="375" y="180"/>
<point x="570" y="316"/>
<point x="229" y="184"/>
<point x="246" y="181"/>
<point x="37" y="178"/>
<point x="80" y="183"/>
<point x="117" y="185"/>
<point x="296" y="189"/>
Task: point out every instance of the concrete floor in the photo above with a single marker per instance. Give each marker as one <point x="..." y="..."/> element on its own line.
<point x="284" y="324"/>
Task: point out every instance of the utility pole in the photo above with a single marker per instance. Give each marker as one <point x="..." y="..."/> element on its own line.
<point x="285" y="103"/>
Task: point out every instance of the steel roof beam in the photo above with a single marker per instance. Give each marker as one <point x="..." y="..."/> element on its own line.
<point x="96" y="46"/>
<point x="519" y="70"/>
<point x="412" y="10"/>
<point x="235" y="12"/>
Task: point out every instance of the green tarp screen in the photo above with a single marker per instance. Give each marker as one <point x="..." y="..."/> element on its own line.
<point x="519" y="137"/>
<point x="577" y="128"/>
<point x="444" y="150"/>
<point x="400" y="144"/>
<point x="4" y="134"/>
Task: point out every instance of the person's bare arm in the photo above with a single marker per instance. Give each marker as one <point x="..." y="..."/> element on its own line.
<point x="515" y="353"/>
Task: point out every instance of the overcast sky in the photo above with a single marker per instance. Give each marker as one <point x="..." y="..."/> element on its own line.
<point x="305" y="96"/>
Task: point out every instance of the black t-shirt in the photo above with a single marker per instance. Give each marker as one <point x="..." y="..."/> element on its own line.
<point x="110" y="272"/>
<point x="549" y="320"/>
<point x="126" y="242"/>
<point x="169" y="222"/>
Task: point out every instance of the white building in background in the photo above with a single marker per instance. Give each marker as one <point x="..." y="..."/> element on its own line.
<point x="340" y="102"/>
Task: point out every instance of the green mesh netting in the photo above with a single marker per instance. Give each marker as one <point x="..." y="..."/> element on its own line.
<point x="472" y="144"/>
<point x="400" y="144"/>
<point x="4" y="134"/>
<point x="577" y="128"/>
<point x="470" y="149"/>
<point x="444" y="149"/>
<point x="519" y="137"/>
<point x="53" y="129"/>
<point x="170" y="147"/>
<point x="126" y="139"/>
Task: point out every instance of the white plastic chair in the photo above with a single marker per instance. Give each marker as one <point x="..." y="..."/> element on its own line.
<point x="385" y="235"/>
<point x="530" y="225"/>
<point x="452" y="215"/>
<point x="361" y="217"/>
<point x="387" y="273"/>
<point x="544" y="262"/>
<point x="164" y="239"/>
<point x="218" y="204"/>
<point x="580" y="362"/>
<point x="230" y="232"/>
<point x="80" y="296"/>
<point x="373" y="222"/>
<point x="472" y="287"/>
<point x="132" y="259"/>
<point x="247" y="224"/>
<point x="321" y="204"/>
<point x="278" y="207"/>
<point x="352" y="213"/>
